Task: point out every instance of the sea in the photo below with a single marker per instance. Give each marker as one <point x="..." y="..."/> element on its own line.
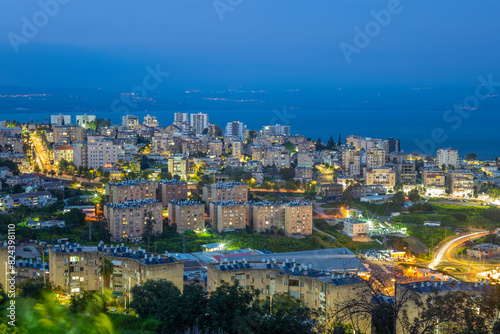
<point x="418" y="130"/>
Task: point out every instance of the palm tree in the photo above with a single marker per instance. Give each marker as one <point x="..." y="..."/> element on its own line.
<point x="106" y="270"/>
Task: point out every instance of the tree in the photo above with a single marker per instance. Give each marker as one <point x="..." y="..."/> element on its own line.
<point x="414" y="195"/>
<point x="34" y="288"/>
<point x="330" y="144"/>
<point x="398" y="198"/>
<point x="471" y="156"/>
<point x="106" y="270"/>
<point x="287" y="173"/>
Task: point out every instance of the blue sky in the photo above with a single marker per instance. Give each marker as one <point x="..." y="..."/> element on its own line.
<point x="269" y="44"/>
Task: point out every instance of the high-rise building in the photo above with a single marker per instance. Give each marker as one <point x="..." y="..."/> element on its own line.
<point x="186" y="215"/>
<point x="447" y="157"/>
<point x="236" y="130"/>
<point x="237" y="149"/>
<point x="351" y="162"/>
<point x="375" y="157"/>
<point x="178" y="165"/>
<point x="60" y="119"/>
<point x="80" y="154"/>
<point x="127" y="221"/>
<point x="392" y="145"/>
<point x="130" y="121"/>
<point x="305" y="159"/>
<point x="84" y="120"/>
<point x="199" y="122"/>
<point x="181" y="117"/>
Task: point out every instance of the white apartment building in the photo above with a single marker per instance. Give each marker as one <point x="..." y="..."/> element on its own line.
<point x="199" y="122"/>
<point x="150" y="121"/>
<point x="354" y="227"/>
<point x="84" y="120"/>
<point x="236" y="130"/>
<point x="102" y="154"/>
<point x="276" y="130"/>
<point x="130" y="121"/>
<point x="447" y="157"/>
<point x="60" y="119"/>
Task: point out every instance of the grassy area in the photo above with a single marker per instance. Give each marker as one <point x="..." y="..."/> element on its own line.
<point x="342" y="240"/>
<point x="430" y="236"/>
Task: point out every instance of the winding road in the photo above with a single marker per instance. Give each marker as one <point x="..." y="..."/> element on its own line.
<point x="445" y="255"/>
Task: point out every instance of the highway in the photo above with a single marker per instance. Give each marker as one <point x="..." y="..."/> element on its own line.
<point x="446" y="254"/>
<point x="42" y="158"/>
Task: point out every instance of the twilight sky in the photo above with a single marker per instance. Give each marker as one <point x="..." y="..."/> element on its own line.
<point x="259" y="44"/>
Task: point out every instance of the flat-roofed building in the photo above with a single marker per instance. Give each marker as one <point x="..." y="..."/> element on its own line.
<point x="305" y="159"/>
<point x="304" y="173"/>
<point x="172" y="190"/>
<point x="433" y="178"/>
<point x="131" y="190"/>
<point x="127" y="221"/>
<point x="316" y="289"/>
<point x="267" y="216"/>
<point x="354" y="227"/>
<point x="225" y="191"/>
<point x="60" y="119"/>
<point x="186" y="215"/>
<point x="298" y="219"/>
<point x="178" y="165"/>
<point x="461" y="183"/>
<point x="447" y="157"/>
<point x="384" y="176"/>
<point x="215" y="147"/>
<point x="330" y="189"/>
<point x="278" y="158"/>
<point x="102" y="154"/>
<point x="61" y="152"/>
<point x="228" y="215"/>
<point x="75" y="268"/>
<point x="375" y="157"/>
<point x="84" y="120"/>
<point x="405" y="173"/>
<point x="351" y="163"/>
<point x="67" y="134"/>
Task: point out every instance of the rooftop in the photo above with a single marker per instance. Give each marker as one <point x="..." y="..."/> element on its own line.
<point x="132" y="204"/>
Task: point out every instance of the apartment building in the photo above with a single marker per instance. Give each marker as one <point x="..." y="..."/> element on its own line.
<point x="215" y="148"/>
<point x="405" y="173"/>
<point x="330" y="189"/>
<point x="237" y="149"/>
<point x="293" y="218"/>
<point x="278" y="158"/>
<point x="447" y="157"/>
<point x="84" y="120"/>
<point x="162" y="143"/>
<point x="434" y="181"/>
<point x="225" y="191"/>
<point x="306" y="146"/>
<point x="61" y="152"/>
<point x="127" y="221"/>
<point x="384" y="176"/>
<point x="75" y="268"/>
<point x="80" y="154"/>
<point x="236" y="130"/>
<point x="298" y="219"/>
<point x="375" y="157"/>
<point x="32" y="200"/>
<point x="102" y="153"/>
<point x="228" y="215"/>
<point x="275" y="130"/>
<point x="67" y="134"/>
<point x="130" y="121"/>
<point x="132" y="190"/>
<point x="178" y="165"/>
<point x="305" y="159"/>
<point x="60" y="119"/>
<point x="460" y="183"/>
<point x="315" y="288"/>
<point x="199" y="122"/>
<point x="186" y="215"/>
<point x="172" y="190"/>
<point x="11" y="140"/>
<point x="151" y="121"/>
<point x="304" y="173"/>
<point x="351" y="163"/>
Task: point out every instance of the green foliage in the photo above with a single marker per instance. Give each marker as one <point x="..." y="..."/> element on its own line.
<point x="287" y="173"/>
<point x="12" y="165"/>
<point x="430" y="236"/>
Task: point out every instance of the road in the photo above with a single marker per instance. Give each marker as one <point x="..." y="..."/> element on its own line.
<point x="445" y="255"/>
<point x="325" y="175"/>
<point x="42" y="157"/>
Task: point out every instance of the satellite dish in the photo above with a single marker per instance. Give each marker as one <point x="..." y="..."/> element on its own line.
<point x="263" y="260"/>
<point x="432" y="278"/>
